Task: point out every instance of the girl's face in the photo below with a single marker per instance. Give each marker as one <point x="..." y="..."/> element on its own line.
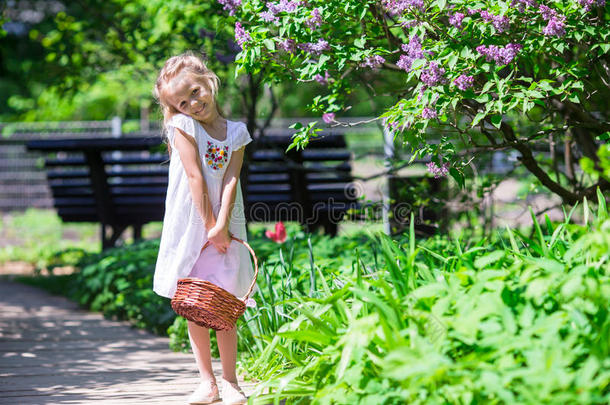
<point x="192" y="97"/>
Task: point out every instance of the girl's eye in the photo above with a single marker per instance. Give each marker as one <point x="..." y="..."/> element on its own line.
<point x="182" y="104"/>
<point x="195" y="91"/>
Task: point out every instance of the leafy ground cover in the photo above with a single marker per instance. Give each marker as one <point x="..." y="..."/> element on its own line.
<point x="518" y="317"/>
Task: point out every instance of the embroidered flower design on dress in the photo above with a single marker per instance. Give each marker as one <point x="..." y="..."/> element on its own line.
<point x="216" y="156"/>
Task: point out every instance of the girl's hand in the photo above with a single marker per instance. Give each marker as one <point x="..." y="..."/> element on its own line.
<point x="219" y="237"/>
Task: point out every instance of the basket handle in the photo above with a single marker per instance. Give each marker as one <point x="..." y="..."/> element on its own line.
<point x="245" y="298"/>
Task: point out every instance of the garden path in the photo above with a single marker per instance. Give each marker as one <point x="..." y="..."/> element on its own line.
<point x="52" y="352"/>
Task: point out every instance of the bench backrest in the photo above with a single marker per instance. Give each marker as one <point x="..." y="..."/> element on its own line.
<point x="122" y="182"/>
<point x="122" y="185"/>
<point x="294" y="185"/>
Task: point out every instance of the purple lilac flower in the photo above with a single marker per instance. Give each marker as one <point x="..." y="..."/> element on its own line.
<point x="230" y="5"/>
<point x="404" y="62"/>
<point x="555" y="27"/>
<point x="464" y="82"/>
<point x="288" y="45"/>
<point x="323" y="80"/>
<point x="284" y="6"/>
<point x="328" y="118"/>
<point x="589" y="4"/>
<point x="518" y="6"/>
<point x="241" y="36"/>
<point x="428" y="113"/>
<point x="456" y="20"/>
<point x="502" y="56"/>
<point x="432" y="75"/>
<point x="268" y="16"/>
<point x="546" y="12"/>
<point x="373" y="61"/>
<point x="521" y="4"/>
<point x="413" y="51"/>
<point x="500" y="23"/>
<point x="315" y="20"/>
<point x="314" y="48"/>
<point x="398" y="7"/>
<point x="437" y="171"/>
<point x="413" y="48"/>
<point x="472" y="11"/>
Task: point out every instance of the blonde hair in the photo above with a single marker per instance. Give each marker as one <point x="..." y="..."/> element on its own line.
<point x="196" y="67"/>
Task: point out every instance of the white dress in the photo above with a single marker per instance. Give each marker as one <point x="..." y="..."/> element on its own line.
<point x="184" y="233"/>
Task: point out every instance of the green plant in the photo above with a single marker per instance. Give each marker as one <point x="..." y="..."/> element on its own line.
<point x="513" y="320"/>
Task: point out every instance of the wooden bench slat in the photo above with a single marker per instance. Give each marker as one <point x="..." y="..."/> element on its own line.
<point x="128" y="160"/>
<point x="71" y="191"/>
<point x="320" y="168"/>
<point x="324" y="155"/>
<point x="137" y="190"/>
<point x="67" y="183"/>
<point x="268" y="188"/>
<point x="137" y="200"/>
<point x="74" y="201"/>
<point x="259" y="169"/>
<point x="149" y="172"/>
<point x="268" y="178"/>
<point x="65" y="174"/>
<point x="282" y="141"/>
<point x="268" y="156"/>
<point x="253" y="198"/>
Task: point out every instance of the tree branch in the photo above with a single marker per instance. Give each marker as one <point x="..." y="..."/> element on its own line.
<point x="528" y="160"/>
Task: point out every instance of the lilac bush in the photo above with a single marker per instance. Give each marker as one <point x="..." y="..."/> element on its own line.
<point x="486" y="75"/>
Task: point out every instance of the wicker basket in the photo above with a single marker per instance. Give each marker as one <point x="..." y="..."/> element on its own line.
<point x="208" y="305"/>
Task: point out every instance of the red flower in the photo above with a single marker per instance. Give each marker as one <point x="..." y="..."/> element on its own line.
<point x="279" y="236"/>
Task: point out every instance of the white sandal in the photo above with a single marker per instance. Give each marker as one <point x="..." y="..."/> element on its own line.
<point x="232" y="394"/>
<point x="206" y="393"/>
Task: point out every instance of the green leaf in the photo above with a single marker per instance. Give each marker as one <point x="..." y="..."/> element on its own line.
<point x="417" y="63"/>
<point x="269" y="44"/>
<point x="458" y="177"/>
<point x="496" y="120"/>
<point x="488" y="259"/>
<point x="452" y="61"/>
<point x="545" y="249"/>
<point x="602" y="212"/>
<point x="360" y="42"/>
<point x="478" y="118"/>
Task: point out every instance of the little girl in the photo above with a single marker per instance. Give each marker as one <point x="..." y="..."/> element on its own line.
<point x="203" y="203"/>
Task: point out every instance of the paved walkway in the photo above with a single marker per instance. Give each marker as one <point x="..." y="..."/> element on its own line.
<point x="52" y="352"/>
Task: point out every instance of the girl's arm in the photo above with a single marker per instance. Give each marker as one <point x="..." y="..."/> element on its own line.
<point x="189" y="155"/>
<point x="219" y="235"/>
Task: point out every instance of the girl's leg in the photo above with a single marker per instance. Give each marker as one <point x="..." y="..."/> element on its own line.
<point x="227" y="346"/>
<point x="200" y="343"/>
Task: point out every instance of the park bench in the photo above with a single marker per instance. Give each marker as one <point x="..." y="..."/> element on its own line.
<point x="122" y="182"/>
<point x="118" y="182"/>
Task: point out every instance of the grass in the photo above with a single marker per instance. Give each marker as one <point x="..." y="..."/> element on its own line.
<point x="36" y="236"/>
<point x="40" y="237"/>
